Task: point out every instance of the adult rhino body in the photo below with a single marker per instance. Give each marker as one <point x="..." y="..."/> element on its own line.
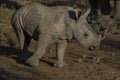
<point x="52" y="24"/>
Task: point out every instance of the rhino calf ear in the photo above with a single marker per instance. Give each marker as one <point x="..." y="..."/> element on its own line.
<point x="85" y="15"/>
<point x="78" y="13"/>
<point x="75" y="14"/>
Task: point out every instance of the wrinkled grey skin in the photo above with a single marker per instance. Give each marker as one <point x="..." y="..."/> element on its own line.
<point x="52" y="24"/>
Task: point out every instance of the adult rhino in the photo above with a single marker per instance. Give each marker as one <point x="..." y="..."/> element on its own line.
<point x="52" y="24"/>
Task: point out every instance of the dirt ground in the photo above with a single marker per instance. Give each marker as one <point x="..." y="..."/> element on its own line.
<point x="102" y="64"/>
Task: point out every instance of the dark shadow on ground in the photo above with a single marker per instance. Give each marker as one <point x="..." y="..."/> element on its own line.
<point x="12" y="71"/>
<point x="11" y="53"/>
<point x="17" y="55"/>
<point x="10" y="76"/>
<point x="15" y="72"/>
<point x="113" y="47"/>
<point x="110" y="44"/>
<point x="4" y="50"/>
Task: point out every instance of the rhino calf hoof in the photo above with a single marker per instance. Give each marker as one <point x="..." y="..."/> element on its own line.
<point x="32" y="62"/>
<point x="60" y="65"/>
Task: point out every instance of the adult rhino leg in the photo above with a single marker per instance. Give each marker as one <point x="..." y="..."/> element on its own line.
<point x="61" y="46"/>
<point x="43" y="42"/>
<point x="117" y="9"/>
<point x="93" y="15"/>
<point x="105" y="14"/>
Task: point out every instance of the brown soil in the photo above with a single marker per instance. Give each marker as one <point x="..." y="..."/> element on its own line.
<point x="102" y="64"/>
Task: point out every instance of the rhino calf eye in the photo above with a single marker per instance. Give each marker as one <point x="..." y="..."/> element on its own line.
<point x="85" y="34"/>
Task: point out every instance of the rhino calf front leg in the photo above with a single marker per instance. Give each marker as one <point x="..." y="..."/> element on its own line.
<point x="43" y="42"/>
<point x="61" y="46"/>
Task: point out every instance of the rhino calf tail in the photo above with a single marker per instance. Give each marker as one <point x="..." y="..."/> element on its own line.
<point x="18" y="30"/>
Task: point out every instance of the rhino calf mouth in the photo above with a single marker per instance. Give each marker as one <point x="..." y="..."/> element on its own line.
<point x="92" y="48"/>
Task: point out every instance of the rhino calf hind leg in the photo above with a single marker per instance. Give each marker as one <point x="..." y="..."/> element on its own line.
<point x="26" y="42"/>
<point x="24" y="47"/>
<point x="61" y="46"/>
<point x="43" y="42"/>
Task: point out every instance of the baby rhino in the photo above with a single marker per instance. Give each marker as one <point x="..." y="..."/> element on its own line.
<point x="52" y="24"/>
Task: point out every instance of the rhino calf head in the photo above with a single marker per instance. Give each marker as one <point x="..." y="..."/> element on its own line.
<point x="52" y="24"/>
<point x="84" y="34"/>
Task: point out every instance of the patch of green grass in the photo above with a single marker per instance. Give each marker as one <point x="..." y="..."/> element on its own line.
<point x="81" y="58"/>
<point x="115" y="28"/>
<point x="95" y="27"/>
<point x="51" y="50"/>
<point x="97" y="60"/>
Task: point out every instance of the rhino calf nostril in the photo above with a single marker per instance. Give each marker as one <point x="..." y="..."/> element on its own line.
<point x="91" y="47"/>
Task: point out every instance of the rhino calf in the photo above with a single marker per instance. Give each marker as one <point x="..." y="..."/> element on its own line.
<point x="52" y="24"/>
